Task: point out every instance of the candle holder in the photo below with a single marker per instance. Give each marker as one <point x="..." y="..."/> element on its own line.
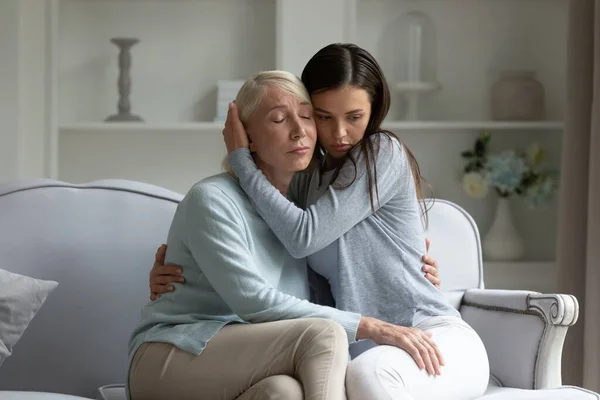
<point x="417" y="69"/>
<point x="124" y="82"/>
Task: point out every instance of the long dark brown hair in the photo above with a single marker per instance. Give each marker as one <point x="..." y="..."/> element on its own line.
<point x="340" y="64"/>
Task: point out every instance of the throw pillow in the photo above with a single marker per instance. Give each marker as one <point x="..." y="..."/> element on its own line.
<point x="20" y="299"/>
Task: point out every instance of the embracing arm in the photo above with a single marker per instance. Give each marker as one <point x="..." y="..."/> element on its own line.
<point x="304" y="232"/>
<point x="219" y="244"/>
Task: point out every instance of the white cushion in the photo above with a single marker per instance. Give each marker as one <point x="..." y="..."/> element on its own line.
<point x="20" y="299"/>
<point x="493" y="392"/>
<point x="5" y="395"/>
<point x="563" y="393"/>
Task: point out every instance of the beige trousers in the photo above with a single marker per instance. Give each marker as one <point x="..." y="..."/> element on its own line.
<point x="301" y="359"/>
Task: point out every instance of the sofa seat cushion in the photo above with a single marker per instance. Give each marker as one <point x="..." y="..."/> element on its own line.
<point x="494" y="392"/>
<point x="6" y="395"/>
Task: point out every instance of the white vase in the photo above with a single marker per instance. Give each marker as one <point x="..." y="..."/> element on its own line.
<point x="518" y="96"/>
<point x="503" y="241"/>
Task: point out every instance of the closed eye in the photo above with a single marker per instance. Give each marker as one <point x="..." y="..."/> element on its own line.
<point x="306" y="117"/>
<point x="355" y="117"/>
<point x="324" y="117"/>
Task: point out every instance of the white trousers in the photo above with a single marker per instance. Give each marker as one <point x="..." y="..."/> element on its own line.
<point x="390" y="373"/>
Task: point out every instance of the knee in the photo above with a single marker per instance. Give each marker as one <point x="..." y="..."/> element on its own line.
<point x="281" y="387"/>
<point x="331" y="332"/>
<point x="360" y="372"/>
<point x="371" y="376"/>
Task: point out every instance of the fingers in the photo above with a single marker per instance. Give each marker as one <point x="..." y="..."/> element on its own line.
<point x="432" y="274"/>
<point x="229" y="116"/>
<point x="435" y="362"/>
<point x="434" y="280"/>
<point x="234" y="133"/>
<point x="435" y="347"/>
<point x="439" y="355"/>
<point x="160" y="254"/>
<point x="168" y="270"/>
<point x="416" y="355"/>
<point x="166" y="279"/>
<point x="161" y="289"/>
<point x="435" y="352"/>
<point x="235" y="118"/>
<point x="425" y="352"/>
<point x="427" y="244"/>
<point x="425" y="355"/>
<point x="427" y="259"/>
<point x="431" y="270"/>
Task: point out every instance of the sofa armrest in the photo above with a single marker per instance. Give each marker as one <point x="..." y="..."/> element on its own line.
<point x="523" y="333"/>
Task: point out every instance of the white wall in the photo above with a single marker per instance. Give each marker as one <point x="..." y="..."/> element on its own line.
<point x="33" y="114"/>
<point x="303" y="27"/>
<point x="9" y="28"/>
<point x="22" y="89"/>
<point x="174" y="160"/>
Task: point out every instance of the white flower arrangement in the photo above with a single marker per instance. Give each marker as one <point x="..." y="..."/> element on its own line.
<point x="508" y="173"/>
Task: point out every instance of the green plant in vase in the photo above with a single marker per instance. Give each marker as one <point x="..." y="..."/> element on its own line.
<point x="507" y="173"/>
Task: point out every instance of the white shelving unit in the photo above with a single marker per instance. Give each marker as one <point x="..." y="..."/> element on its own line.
<point x="391" y="125"/>
<point x="546" y="265"/>
<point x="199" y="127"/>
<point x="475" y="125"/>
<point x="184" y="48"/>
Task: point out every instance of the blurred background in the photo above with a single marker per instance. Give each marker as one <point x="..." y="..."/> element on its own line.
<point x="457" y="69"/>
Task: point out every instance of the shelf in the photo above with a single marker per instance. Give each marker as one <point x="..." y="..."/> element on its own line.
<point x="473" y="125"/>
<point x="145" y="127"/>
<point x="392" y="125"/>
<point x="525" y="265"/>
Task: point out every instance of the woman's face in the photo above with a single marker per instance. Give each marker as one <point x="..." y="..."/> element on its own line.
<point x="282" y="131"/>
<point x="341" y="116"/>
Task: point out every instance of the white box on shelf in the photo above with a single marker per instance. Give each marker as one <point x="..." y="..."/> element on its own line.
<point x="226" y="92"/>
<point x="228" y="87"/>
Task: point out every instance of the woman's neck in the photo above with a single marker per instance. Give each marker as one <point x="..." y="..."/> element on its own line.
<point x="281" y="180"/>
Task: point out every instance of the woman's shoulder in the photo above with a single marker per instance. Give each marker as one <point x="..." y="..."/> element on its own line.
<point x="215" y="192"/>
<point x="387" y="143"/>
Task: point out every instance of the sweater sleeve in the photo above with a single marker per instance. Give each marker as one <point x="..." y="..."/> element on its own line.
<point x="218" y="243"/>
<point x="304" y="232"/>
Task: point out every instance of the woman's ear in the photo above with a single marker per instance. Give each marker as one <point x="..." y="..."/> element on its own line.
<point x="251" y="145"/>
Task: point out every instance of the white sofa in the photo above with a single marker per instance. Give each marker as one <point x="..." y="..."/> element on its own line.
<point x="98" y="241"/>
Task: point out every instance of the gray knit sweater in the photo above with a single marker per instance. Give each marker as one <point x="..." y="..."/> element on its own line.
<point x="379" y="252"/>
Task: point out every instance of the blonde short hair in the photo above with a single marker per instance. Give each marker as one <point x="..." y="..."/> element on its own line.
<point x="254" y="90"/>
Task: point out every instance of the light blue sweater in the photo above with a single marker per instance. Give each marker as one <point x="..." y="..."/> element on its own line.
<point x="379" y="253"/>
<point x="236" y="271"/>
